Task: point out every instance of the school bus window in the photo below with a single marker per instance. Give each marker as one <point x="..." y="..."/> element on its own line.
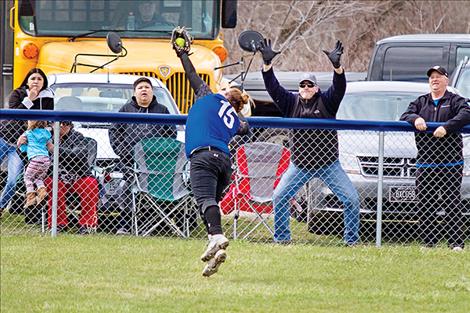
<point x="52" y="22"/>
<point x="26" y="17"/>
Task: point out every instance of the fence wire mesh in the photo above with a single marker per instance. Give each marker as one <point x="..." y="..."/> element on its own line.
<point x="133" y="179"/>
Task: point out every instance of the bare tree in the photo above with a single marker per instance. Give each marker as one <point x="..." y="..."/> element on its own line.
<point x="301" y="29"/>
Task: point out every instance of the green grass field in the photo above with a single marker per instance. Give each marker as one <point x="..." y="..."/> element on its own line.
<point x="98" y="273"/>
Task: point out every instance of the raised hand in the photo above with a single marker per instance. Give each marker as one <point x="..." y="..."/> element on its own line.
<point x="267" y="51"/>
<point x="181" y="40"/>
<point x="335" y="55"/>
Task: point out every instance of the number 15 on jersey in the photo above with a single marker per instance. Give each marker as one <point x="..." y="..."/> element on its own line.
<point x="227" y="114"/>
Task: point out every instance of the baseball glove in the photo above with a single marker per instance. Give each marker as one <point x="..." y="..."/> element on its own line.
<point x="181" y="40"/>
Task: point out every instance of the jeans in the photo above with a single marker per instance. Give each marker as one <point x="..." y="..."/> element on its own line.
<point x="15" y="167"/>
<point x="335" y="178"/>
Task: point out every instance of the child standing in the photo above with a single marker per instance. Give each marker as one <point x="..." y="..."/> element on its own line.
<point x="38" y="144"/>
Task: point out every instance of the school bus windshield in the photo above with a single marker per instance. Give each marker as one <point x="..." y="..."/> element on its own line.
<point x="136" y="19"/>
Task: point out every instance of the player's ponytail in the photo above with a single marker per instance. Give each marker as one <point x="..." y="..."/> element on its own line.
<point x="237" y="98"/>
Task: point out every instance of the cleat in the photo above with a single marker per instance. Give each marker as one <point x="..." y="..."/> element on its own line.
<point x="216" y="243"/>
<point x="213" y="265"/>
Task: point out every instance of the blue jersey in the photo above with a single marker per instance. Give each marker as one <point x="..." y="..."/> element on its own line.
<point x="212" y="121"/>
<point x="37" y="142"/>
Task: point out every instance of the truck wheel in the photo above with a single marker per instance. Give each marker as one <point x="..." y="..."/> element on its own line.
<point x="325" y="223"/>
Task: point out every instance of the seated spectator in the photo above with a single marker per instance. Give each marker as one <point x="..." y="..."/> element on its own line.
<point x="124" y="137"/>
<point x="74" y="177"/>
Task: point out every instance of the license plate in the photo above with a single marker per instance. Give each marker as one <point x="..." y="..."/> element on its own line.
<point x="402" y="194"/>
<point x="113" y="186"/>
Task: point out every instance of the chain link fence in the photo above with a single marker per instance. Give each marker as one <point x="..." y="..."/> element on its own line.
<point x="133" y="179"/>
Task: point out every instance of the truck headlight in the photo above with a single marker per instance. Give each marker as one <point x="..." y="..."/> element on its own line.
<point x="466" y="167"/>
<point x="466" y="154"/>
<point x="349" y="163"/>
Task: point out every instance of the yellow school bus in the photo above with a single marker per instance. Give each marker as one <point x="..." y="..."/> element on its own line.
<point x="70" y="35"/>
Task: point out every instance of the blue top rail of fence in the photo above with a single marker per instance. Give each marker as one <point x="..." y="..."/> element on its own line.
<point x="169" y="119"/>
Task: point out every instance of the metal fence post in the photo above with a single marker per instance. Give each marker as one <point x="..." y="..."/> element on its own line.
<point x="55" y="179"/>
<point x="378" y="235"/>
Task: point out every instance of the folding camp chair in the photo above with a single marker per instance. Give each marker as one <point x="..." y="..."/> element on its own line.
<point x="260" y="166"/>
<point x="160" y="195"/>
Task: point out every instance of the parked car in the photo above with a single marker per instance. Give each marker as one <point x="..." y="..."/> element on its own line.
<point x="102" y="93"/>
<point x="359" y="156"/>
<point x="460" y="79"/>
<point x="407" y="57"/>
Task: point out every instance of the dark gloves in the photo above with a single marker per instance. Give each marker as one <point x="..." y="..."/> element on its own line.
<point x="267" y="51"/>
<point x="335" y="55"/>
<point x="181" y="41"/>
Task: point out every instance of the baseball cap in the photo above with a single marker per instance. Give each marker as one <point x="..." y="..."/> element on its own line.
<point x="438" y="69"/>
<point x="309" y="77"/>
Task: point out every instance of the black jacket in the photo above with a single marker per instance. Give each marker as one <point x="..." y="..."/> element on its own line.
<point x="12" y="129"/>
<point x="74" y="158"/>
<point x="124" y="137"/>
<point x="311" y="148"/>
<point x="454" y="111"/>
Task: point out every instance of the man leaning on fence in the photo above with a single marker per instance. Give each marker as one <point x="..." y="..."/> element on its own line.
<point x="440" y="158"/>
<point x="314" y="151"/>
<point x="124" y="137"/>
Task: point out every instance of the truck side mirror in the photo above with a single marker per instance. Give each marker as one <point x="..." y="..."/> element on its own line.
<point x="229" y="13"/>
<point x="249" y="40"/>
<point x="114" y="42"/>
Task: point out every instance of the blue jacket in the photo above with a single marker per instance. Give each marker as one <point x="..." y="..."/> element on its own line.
<point x="212" y="121"/>
<point x="37" y="142"/>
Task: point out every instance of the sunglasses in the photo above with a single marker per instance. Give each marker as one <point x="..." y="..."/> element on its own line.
<point x="309" y="85"/>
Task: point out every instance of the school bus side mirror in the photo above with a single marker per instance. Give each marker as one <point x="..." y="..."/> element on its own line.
<point x="229" y="13"/>
<point x="114" y="42"/>
<point x="250" y="40"/>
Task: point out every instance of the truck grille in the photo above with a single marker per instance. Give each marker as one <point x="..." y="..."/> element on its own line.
<point x="179" y="87"/>
<point x="393" y="167"/>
